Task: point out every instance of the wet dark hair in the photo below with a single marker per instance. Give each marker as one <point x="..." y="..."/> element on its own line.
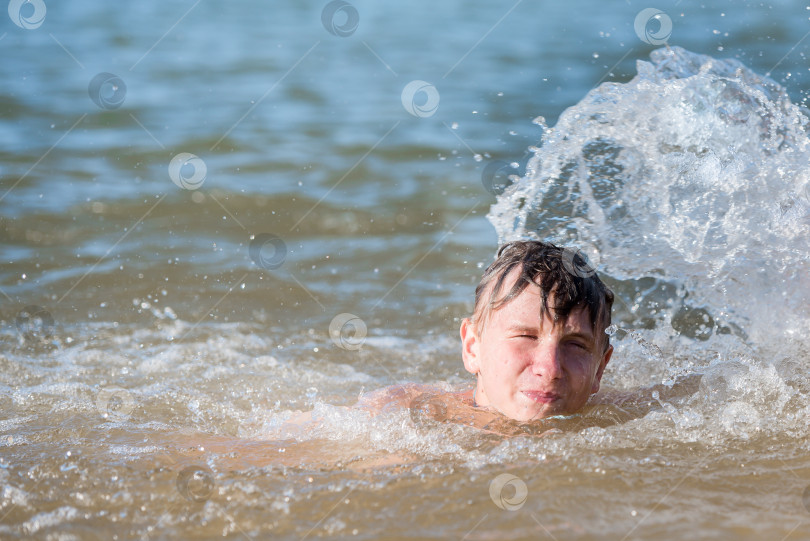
<point x="562" y="273"/>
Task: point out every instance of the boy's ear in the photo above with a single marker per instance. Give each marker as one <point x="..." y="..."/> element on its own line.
<point x="601" y="369"/>
<point x="469" y="346"/>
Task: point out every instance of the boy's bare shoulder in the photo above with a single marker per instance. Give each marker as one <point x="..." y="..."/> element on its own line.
<point x="394" y="396"/>
<point x="377" y="401"/>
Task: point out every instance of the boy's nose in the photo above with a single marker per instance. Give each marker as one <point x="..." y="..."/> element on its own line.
<point x="547" y="361"/>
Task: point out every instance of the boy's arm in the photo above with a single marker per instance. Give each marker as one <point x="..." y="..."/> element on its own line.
<point x="292" y="427"/>
<point x="374" y="402"/>
<point x="299" y="418"/>
<point x="388" y="398"/>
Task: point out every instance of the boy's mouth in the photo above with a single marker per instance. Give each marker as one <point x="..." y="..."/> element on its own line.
<point x="542" y="397"/>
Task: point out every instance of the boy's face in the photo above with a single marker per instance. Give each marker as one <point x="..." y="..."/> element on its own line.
<point x="528" y="367"/>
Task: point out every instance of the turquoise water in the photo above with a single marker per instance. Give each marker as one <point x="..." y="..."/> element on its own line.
<point x="142" y="321"/>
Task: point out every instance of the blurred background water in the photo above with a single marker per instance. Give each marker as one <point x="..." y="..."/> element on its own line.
<point x="136" y="313"/>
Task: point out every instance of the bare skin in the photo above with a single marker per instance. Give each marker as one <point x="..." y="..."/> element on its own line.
<point x="530" y="366"/>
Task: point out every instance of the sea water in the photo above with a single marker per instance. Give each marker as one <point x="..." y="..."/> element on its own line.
<point x="156" y="338"/>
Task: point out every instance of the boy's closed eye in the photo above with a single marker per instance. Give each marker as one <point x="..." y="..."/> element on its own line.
<point x="522" y="331"/>
<point x="579" y="344"/>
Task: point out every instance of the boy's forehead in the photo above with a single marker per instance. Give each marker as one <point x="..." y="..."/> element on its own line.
<point x="527" y="307"/>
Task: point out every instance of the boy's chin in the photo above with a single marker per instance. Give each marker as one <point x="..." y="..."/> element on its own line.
<point x="538" y="413"/>
<point x="536" y="410"/>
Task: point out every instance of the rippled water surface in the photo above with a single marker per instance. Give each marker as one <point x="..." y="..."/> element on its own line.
<point x="218" y="216"/>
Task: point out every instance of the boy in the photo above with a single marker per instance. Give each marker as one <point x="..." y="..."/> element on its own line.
<point x="536" y="342"/>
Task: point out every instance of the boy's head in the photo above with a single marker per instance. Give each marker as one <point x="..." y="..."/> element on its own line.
<point x="537" y="339"/>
